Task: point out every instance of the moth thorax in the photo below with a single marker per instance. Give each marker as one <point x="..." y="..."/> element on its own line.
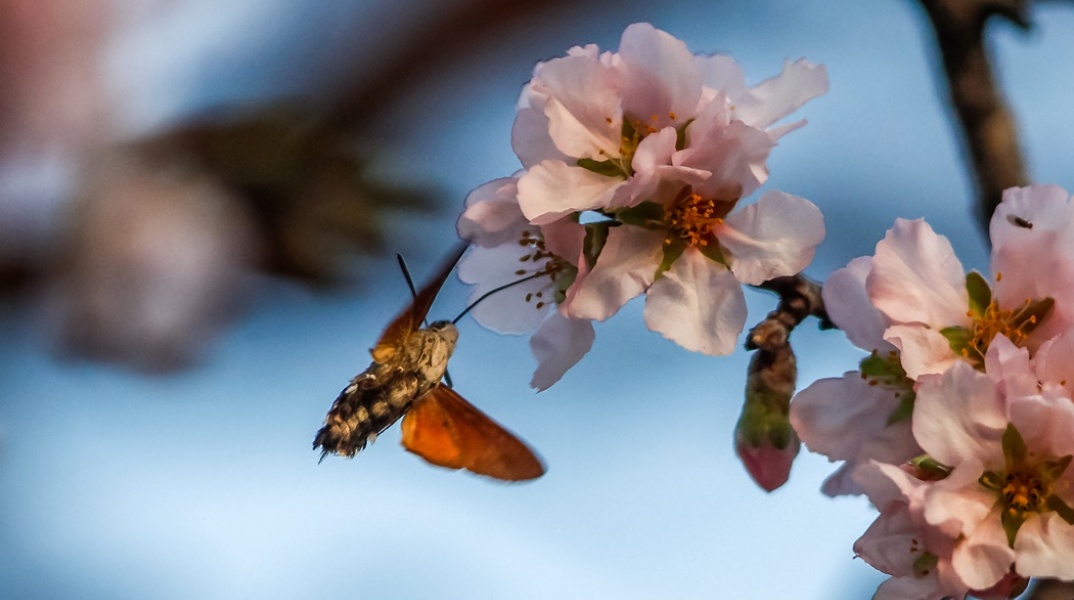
<point x="447" y="331"/>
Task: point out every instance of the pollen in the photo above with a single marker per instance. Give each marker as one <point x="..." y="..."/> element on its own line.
<point x="1023" y="492"/>
<point x="1014" y="324"/>
<point x="541" y="264"/>
<point x="693" y="219"/>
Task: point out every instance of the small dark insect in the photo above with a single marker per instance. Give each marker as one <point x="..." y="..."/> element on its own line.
<point x="404" y="379"/>
<point x="1019" y="221"/>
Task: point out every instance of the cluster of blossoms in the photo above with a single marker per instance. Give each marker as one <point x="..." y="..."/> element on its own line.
<point x="634" y="163"/>
<point x="959" y="424"/>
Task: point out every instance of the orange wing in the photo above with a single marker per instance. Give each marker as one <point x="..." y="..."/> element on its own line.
<point x="409" y="321"/>
<point x="446" y="430"/>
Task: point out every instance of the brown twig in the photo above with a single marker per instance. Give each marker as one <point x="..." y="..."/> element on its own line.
<point x="799" y="297"/>
<point x="989" y="132"/>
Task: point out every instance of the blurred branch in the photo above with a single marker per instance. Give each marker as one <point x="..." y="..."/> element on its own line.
<point x="988" y="129"/>
<point x="441" y="40"/>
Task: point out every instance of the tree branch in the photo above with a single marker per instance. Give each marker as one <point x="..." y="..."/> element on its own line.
<point x="989" y="132"/>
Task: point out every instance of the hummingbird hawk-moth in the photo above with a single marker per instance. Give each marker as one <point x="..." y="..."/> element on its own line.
<point x="404" y="381"/>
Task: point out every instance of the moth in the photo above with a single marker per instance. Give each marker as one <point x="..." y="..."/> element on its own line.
<point x="404" y="381"/>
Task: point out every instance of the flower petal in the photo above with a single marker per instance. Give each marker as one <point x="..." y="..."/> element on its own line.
<point x="553" y="189"/>
<point x="774" y="237"/>
<point x="775" y="98"/>
<point x="582" y="105"/>
<point x="697" y="304"/>
<point x="492" y="216"/>
<point x="625" y="268"/>
<point x="959" y="416"/>
<point x="1044" y="546"/>
<point x="849" y="307"/>
<point x="921" y="350"/>
<point x="917" y="278"/>
<point x="983" y="558"/>
<point x="506" y="311"/>
<point x="660" y="82"/>
<point x="558" y="344"/>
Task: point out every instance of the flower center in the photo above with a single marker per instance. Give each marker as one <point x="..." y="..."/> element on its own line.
<point x="551" y="267"/>
<point x="1023" y="493"/>
<point x="632" y="133"/>
<point x="692" y="219"/>
<point x="996" y="321"/>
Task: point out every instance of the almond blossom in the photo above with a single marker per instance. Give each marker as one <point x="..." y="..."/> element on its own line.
<point x="939" y="315"/>
<point x="598" y="131"/>
<point x="520" y="272"/>
<point x="1009" y="493"/>
<point x="690" y="256"/>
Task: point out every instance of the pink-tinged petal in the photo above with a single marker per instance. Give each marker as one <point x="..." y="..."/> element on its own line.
<point x="655" y="150"/>
<point x="1032" y="234"/>
<point x="506" y="311"/>
<point x="959" y="416"/>
<point x="492" y="216"/>
<point x="564" y="238"/>
<point x="553" y="189"/>
<point x="626" y="268"/>
<point x="912" y="587"/>
<point x="734" y="153"/>
<point x="847" y="419"/>
<point x="697" y="304"/>
<point x="1044" y="547"/>
<point x="530" y="139"/>
<point x="1052" y="364"/>
<point x="849" y="307"/>
<point x="957" y="504"/>
<point x="775" y="98"/>
<point x="922" y="351"/>
<point x="582" y="106"/>
<point x="660" y="83"/>
<point x="1045" y="423"/>
<point x="774" y="237"/>
<point x="983" y="558"/>
<point x="891" y="543"/>
<point x="558" y="344"/>
<point x="721" y="72"/>
<point x="917" y="278"/>
<point x="1008" y="366"/>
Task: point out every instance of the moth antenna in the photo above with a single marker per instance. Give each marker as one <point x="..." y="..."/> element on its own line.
<point x="409" y="280"/>
<point x="447" y="379"/>
<point x="491" y="292"/>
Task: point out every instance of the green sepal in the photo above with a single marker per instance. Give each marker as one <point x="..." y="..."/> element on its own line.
<point x="958" y="338"/>
<point x="1053" y="469"/>
<point x="993" y="481"/>
<point x="649" y="215"/>
<point x="680" y="135"/>
<point x="1012" y="520"/>
<point x="596" y="235"/>
<point x="930" y="468"/>
<point x="979" y="292"/>
<point x="925" y="564"/>
<point x="904" y="410"/>
<point x="608" y="168"/>
<point x="886" y="368"/>
<point x="563" y="280"/>
<point x="672" y="251"/>
<point x="716" y="253"/>
<point x="1032" y="315"/>
<point x="1061" y="508"/>
<point x="1014" y="448"/>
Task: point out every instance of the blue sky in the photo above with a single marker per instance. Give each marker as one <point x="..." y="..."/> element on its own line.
<point x="115" y="485"/>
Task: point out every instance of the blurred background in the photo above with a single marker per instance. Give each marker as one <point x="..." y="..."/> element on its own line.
<point x="199" y="202"/>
